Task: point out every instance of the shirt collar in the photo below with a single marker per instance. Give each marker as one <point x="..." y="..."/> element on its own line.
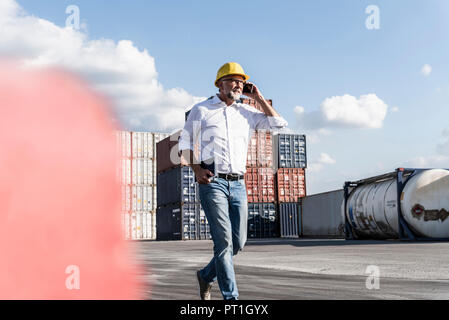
<point x="217" y="100"/>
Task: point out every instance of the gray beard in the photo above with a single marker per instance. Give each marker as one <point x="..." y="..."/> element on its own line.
<point x="234" y="96"/>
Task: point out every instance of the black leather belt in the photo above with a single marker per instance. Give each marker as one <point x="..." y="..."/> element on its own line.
<point x="230" y="176"/>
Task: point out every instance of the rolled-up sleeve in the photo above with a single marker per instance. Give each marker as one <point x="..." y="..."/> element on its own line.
<point x="261" y="121"/>
<point x="277" y="122"/>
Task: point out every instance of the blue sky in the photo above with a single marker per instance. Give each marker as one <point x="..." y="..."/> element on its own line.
<point x="300" y="53"/>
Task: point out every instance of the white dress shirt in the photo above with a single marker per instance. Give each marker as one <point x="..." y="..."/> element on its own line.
<point x="223" y="132"/>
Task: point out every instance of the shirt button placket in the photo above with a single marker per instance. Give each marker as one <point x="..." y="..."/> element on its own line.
<point x="228" y="112"/>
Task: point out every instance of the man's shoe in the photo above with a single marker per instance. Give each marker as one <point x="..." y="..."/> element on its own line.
<point x="205" y="287"/>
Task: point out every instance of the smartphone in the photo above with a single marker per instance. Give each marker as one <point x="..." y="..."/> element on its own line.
<point x="248" y="88"/>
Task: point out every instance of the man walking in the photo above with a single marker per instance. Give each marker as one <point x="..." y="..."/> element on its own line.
<point x="221" y="127"/>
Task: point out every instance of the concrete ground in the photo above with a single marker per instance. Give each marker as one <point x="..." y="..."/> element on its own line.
<point x="297" y="269"/>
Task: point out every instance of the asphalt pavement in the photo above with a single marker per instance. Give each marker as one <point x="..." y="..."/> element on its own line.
<point x="301" y="269"/>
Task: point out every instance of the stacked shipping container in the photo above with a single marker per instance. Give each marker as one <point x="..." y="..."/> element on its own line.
<point x="137" y="176"/>
<point x="291" y="160"/>
<point x="260" y="186"/>
<point x="275" y="174"/>
<point x="179" y="213"/>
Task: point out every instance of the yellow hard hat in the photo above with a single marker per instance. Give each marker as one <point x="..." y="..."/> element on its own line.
<point x="228" y="69"/>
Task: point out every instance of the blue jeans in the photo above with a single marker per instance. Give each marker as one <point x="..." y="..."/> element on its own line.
<point x="226" y="208"/>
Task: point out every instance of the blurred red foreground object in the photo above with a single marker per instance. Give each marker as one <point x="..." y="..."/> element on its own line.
<point x="60" y="227"/>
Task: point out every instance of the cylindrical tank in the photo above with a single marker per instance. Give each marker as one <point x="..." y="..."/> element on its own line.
<point x="371" y="209"/>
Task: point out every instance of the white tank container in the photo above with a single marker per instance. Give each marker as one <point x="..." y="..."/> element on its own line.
<point x="372" y="211"/>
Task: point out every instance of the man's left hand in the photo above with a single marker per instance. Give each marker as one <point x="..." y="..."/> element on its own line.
<point x="255" y="95"/>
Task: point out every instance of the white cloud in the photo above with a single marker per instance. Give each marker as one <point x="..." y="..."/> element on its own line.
<point x="326" y="159"/>
<point x="345" y="111"/>
<point x="439" y="160"/>
<point x="367" y="112"/>
<point x="443" y="148"/>
<point x="432" y="161"/>
<point x="394" y="109"/>
<point x="121" y="71"/>
<point x="426" y="70"/>
<point x="299" y="110"/>
<point x="324" y="132"/>
<point x="323" y="159"/>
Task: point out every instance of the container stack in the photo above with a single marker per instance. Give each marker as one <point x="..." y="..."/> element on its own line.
<point x="137" y="176"/>
<point x="274" y="178"/>
<point x="291" y="162"/>
<point x="261" y="187"/>
<point x="260" y="183"/>
<point x="179" y="214"/>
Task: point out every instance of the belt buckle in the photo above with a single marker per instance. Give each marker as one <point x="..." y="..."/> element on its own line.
<point x="231" y="176"/>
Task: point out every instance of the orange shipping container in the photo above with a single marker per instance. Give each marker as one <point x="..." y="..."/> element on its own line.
<point x="260" y="149"/>
<point x="260" y="185"/>
<point x="291" y="184"/>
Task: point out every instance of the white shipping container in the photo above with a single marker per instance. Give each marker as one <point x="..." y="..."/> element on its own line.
<point x="125" y="171"/>
<point x="144" y="225"/>
<point x="154" y="171"/>
<point x="126" y="225"/>
<point x="137" y="172"/>
<point x="138" y="144"/>
<point x="143" y="172"/>
<point x="140" y="136"/>
<point x="137" y="198"/>
<point x="144" y="198"/>
<point x="151" y="146"/>
<point x="149" y="225"/>
<point x="145" y="145"/>
<point x="139" y="225"/>
<point x="152" y="198"/>
<point x="141" y="143"/>
<point x="125" y="144"/>
<point x="150" y="191"/>
<point x="150" y="176"/>
<point x="155" y="197"/>
<point x="148" y="198"/>
<point x="134" y="145"/>
<point x="134" y="225"/>
<point x="124" y="198"/>
<point x="153" y="225"/>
